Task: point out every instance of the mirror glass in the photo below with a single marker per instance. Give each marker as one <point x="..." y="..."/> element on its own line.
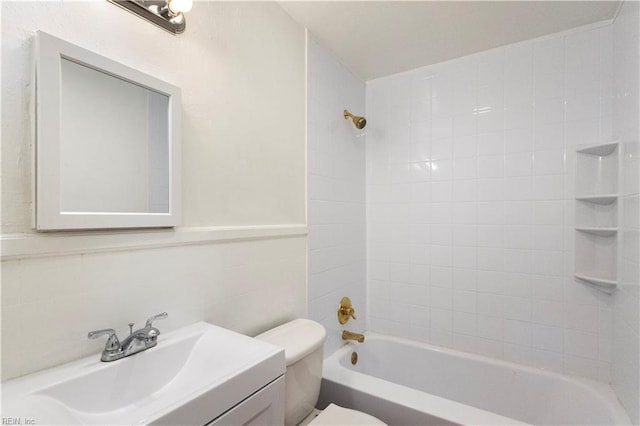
<point x="114" y="144"/>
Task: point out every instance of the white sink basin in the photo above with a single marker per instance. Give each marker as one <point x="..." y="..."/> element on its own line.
<point x="191" y="377"/>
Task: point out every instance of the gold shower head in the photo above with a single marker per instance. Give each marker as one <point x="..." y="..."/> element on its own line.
<point x="359" y="122"/>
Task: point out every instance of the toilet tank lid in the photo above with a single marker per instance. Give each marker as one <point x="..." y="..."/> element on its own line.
<point x="299" y="338"/>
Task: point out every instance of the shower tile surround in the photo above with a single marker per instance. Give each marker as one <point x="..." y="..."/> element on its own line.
<point x="625" y="353"/>
<point x="336" y="194"/>
<point x="470" y="202"/>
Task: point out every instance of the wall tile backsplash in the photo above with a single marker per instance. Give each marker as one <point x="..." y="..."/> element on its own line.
<point x="336" y="194"/>
<point x="470" y="189"/>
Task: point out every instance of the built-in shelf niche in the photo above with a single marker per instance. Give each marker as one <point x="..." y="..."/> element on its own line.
<point x="596" y="255"/>
<point x="597" y="176"/>
<point x="596" y="215"/>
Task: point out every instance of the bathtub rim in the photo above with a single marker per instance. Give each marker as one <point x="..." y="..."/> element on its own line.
<point x="454" y="411"/>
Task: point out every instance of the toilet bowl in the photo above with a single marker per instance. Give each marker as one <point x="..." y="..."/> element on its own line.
<point x="302" y="340"/>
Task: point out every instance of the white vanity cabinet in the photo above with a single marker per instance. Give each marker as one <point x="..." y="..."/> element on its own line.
<point x="264" y="408"/>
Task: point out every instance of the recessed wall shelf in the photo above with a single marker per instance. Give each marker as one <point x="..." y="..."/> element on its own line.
<point x="600" y="149"/>
<point x="603" y="199"/>
<point x="596" y="237"/>
<point x="599" y="231"/>
<point x="606" y="285"/>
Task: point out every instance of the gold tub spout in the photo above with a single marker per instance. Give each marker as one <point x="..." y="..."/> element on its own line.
<point x="349" y="335"/>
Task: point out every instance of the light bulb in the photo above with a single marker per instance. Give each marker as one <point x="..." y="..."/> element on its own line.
<point x="180" y="6"/>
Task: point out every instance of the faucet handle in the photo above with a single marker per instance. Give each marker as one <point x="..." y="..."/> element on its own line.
<point x="160" y="316"/>
<point x="113" y="344"/>
<point x="345" y="310"/>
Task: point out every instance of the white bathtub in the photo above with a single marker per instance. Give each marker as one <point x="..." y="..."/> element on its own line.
<point x="403" y="382"/>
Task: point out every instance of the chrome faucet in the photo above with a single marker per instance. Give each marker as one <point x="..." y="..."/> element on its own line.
<point x="137" y="341"/>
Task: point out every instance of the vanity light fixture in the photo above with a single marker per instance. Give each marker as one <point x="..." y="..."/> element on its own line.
<point x="167" y="14"/>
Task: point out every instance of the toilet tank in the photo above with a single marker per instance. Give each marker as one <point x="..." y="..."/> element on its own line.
<point x="302" y="340"/>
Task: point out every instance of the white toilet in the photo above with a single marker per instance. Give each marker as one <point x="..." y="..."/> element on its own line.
<point x="302" y="341"/>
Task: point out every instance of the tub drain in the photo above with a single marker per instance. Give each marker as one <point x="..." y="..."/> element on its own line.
<point x="354" y="358"/>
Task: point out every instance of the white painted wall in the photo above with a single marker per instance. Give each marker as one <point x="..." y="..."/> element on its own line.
<point x="336" y="176"/>
<point x="626" y="110"/>
<point x="49" y="304"/>
<point x="470" y="202"/>
<point x="241" y="67"/>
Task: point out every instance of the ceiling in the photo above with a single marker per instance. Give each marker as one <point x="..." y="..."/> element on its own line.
<point x="379" y="38"/>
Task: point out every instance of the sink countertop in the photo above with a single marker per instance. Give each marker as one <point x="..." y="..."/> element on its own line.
<point x="192" y="376"/>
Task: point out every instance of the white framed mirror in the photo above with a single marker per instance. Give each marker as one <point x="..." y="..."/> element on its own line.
<point x="107" y="142"/>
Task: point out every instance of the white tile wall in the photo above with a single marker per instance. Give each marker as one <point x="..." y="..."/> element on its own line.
<point x="49" y="304"/>
<point x="470" y="190"/>
<point x="336" y="194"/>
<point x="626" y="323"/>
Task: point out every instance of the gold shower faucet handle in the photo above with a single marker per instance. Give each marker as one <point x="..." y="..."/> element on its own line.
<point x="345" y="310"/>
